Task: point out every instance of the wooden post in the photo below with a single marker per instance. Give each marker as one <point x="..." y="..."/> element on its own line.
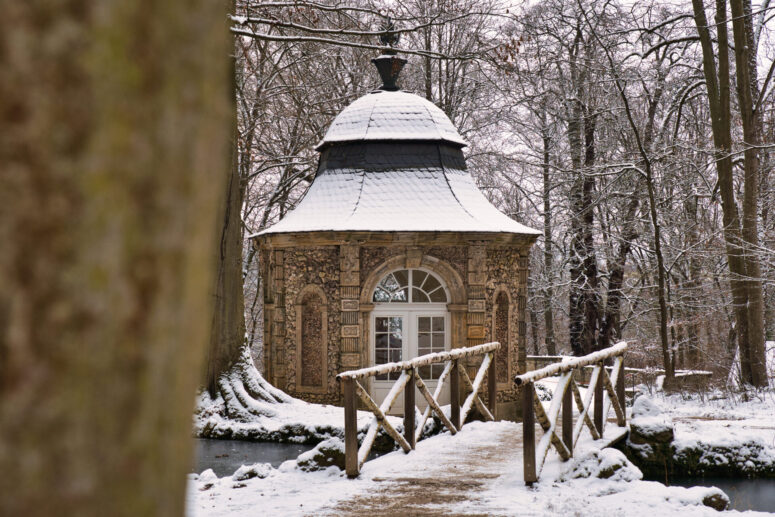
<point x="350" y="429"/>
<point x="599" y="401"/>
<point x="620" y="392"/>
<point x="567" y="417"/>
<point x="409" y="408"/>
<point x="528" y="435"/>
<point x="454" y="395"/>
<point x="492" y="391"/>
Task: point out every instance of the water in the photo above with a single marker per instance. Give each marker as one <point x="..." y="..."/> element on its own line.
<point x="226" y="456"/>
<point x="744" y="494"/>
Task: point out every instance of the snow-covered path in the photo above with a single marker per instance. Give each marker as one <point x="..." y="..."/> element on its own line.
<point x="445" y="475"/>
<point x="476" y="472"/>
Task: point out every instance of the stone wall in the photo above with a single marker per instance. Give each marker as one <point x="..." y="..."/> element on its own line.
<point x="303" y="267"/>
<point x="340" y="274"/>
<point x="507" y="275"/>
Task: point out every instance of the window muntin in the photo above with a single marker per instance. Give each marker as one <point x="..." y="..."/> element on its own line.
<point x="430" y="339"/>
<point x="388" y="343"/>
<point x="410" y="286"/>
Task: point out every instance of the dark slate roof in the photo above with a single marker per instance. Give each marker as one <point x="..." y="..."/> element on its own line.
<point x="398" y="186"/>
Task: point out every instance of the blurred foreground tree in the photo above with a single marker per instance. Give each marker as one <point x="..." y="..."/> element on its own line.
<point x="115" y="128"/>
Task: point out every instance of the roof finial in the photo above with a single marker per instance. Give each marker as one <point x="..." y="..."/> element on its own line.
<point x="388" y="64"/>
<point x="389" y="37"/>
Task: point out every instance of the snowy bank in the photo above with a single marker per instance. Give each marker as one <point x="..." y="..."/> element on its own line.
<point x="676" y="436"/>
<point x="476" y="472"/>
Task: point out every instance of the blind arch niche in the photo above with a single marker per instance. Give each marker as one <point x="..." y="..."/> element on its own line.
<point x="311" y="340"/>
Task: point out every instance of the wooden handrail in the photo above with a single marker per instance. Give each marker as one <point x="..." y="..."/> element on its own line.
<point x="423" y="360"/>
<point x="600" y="386"/>
<point x="453" y="370"/>
<point x="578" y="362"/>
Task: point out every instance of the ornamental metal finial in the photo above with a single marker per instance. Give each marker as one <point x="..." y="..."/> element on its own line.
<point x="389" y="37"/>
<point x="388" y="64"/>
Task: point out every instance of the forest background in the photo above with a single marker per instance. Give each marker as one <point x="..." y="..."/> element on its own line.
<point x="637" y="135"/>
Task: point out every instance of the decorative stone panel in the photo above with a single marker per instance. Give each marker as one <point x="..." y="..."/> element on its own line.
<point x="311" y="341"/>
<point x="349" y="272"/>
<point x="476" y="332"/>
<point x="350" y="331"/>
<point x="350" y="360"/>
<point x="349" y="305"/>
<point x="477" y="276"/>
<point x="476" y="305"/>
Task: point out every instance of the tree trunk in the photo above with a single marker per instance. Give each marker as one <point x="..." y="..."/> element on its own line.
<point x="752" y="357"/>
<point x="610" y="322"/>
<point x="718" y="85"/>
<point x="227" y="334"/>
<point x="576" y="260"/>
<point x="551" y="348"/>
<point x="589" y="264"/>
<point x="115" y="124"/>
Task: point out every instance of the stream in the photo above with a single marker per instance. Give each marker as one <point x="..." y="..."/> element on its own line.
<point x="226" y="456"/>
<point x="744" y="494"/>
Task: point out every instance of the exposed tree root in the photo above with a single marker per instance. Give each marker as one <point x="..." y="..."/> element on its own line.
<point x="246" y="394"/>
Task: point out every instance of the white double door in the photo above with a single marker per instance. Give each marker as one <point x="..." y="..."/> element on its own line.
<point x="403" y="333"/>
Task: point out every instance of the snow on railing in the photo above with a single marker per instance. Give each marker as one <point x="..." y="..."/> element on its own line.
<point x="355" y="456"/>
<point x="567" y="390"/>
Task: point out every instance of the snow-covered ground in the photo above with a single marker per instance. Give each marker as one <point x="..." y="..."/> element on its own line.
<point x="479" y="471"/>
<point x="725" y="422"/>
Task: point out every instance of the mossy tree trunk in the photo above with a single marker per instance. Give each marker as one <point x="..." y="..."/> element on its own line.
<point x="227" y="335"/>
<point x="115" y="121"/>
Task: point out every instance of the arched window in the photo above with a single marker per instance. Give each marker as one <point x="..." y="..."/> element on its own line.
<point x="311" y="346"/>
<point x="501" y="324"/>
<point x="409" y="319"/>
<point x="410" y="286"/>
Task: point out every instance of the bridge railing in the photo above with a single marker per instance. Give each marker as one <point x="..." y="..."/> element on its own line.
<point x="608" y="391"/>
<point x="453" y="371"/>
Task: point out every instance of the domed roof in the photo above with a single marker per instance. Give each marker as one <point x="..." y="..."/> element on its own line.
<point x="391" y="115"/>
<point x="393" y="162"/>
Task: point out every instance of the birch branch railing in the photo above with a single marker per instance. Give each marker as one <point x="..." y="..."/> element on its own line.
<point x="600" y="385"/>
<point x="453" y="371"/>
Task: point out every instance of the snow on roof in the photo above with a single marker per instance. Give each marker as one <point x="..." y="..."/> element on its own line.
<point x="395" y="165"/>
<point x="391" y="115"/>
<point x="406" y="199"/>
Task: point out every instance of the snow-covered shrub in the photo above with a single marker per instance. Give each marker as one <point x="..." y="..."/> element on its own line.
<point x="650" y="424"/>
<point x="207" y="479"/>
<point x="602" y="464"/>
<point x="257" y="470"/>
<point x="544" y="393"/>
<point x="326" y="454"/>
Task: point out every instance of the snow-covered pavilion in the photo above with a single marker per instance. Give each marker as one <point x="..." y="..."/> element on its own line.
<point x="393" y="253"/>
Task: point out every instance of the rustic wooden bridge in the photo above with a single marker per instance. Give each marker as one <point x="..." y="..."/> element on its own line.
<point x="605" y="392"/>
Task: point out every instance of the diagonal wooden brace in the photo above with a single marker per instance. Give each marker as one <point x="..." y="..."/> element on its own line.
<point x="381" y="419"/>
<point x="548" y="422"/>
<point x="584" y="417"/>
<point x="436" y="393"/>
<point x="475" y="393"/>
<point x="612" y="397"/>
<point x="433" y="404"/>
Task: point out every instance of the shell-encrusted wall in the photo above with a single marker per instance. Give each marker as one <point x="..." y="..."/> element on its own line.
<point x="336" y="280"/>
